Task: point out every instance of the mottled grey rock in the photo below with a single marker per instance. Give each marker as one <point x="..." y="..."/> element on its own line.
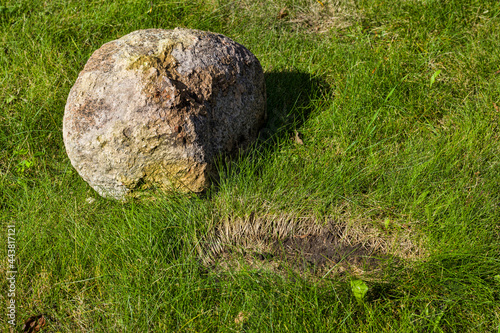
<point x="156" y="107"/>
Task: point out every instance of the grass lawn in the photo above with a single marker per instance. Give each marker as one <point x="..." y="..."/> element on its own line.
<point x="393" y="183"/>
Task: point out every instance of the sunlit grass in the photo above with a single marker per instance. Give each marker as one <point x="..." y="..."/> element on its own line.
<point x="397" y="106"/>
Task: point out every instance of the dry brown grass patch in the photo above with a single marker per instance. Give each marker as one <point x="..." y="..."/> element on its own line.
<point x="322" y="16"/>
<point x="356" y="244"/>
<point x="313" y="15"/>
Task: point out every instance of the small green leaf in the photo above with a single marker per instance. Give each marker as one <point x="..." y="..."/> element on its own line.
<point x="359" y="289"/>
<point x="497" y="278"/>
<point x="9" y="99"/>
<point x="433" y="77"/>
<point x="25" y="165"/>
<point x="23" y="151"/>
<point x="421" y="198"/>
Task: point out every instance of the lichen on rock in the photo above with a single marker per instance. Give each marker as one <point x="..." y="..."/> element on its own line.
<point x="156" y="107"/>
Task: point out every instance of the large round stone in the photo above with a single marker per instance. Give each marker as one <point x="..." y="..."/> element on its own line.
<point x="155" y="108"/>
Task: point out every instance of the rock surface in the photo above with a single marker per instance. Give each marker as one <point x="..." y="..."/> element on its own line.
<point x="154" y="109"/>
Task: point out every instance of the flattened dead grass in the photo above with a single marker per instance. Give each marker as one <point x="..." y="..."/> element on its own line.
<point x="310" y="16"/>
<point x="322" y="16"/>
<point x="356" y="244"/>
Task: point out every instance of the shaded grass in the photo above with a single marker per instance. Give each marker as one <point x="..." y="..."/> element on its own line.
<point x="381" y="143"/>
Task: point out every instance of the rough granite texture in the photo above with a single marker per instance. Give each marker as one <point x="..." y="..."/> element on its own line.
<point x="154" y="108"/>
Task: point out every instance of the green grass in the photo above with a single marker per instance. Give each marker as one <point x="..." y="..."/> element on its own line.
<point x="383" y="143"/>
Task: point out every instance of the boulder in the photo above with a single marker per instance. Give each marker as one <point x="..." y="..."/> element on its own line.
<point x="155" y="108"/>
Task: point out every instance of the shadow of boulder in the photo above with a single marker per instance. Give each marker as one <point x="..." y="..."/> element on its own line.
<point x="289" y="95"/>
